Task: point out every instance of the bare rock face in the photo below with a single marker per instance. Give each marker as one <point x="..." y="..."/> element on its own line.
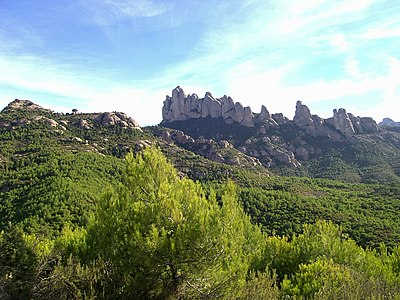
<point x="116" y="118"/>
<point x="312" y="124"/>
<point x="388" y="123"/>
<point x="302" y="117"/>
<point x="210" y="107"/>
<point x="265" y="118"/>
<point x="280" y="119"/>
<point x="342" y="126"/>
<point x="248" y="118"/>
<point x="182" y="107"/>
<point x="342" y="122"/>
<point x="47" y="121"/>
<point x="218" y="151"/>
<point x="356" y="122"/>
<point x="369" y="125"/>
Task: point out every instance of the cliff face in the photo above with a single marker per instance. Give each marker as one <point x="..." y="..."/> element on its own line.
<point x="182" y="107"/>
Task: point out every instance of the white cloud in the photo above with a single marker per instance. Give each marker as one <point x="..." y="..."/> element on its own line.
<point x="352" y="68"/>
<point x="34" y="76"/>
<point x="247" y="57"/>
<point x="105" y="12"/>
<point x="339" y="42"/>
<point x="381" y="33"/>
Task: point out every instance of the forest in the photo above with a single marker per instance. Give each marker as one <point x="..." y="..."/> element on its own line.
<point x="153" y="234"/>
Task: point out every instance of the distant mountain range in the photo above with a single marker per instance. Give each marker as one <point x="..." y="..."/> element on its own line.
<point x="344" y="147"/>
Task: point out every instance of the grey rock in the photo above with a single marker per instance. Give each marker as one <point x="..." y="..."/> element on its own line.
<point x="356" y="121"/>
<point x="84" y="124"/>
<point x="302" y="117"/>
<point x="180" y="107"/>
<point x="342" y="122"/>
<point x="280" y="119"/>
<point x="369" y="125"/>
<point x="387" y="123"/>
<point x="248" y="118"/>
<point x="265" y="119"/>
<point x="18" y="104"/>
<point x="116" y="118"/>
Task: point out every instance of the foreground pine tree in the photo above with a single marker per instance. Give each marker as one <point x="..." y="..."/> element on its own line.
<point x="164" y="238"/>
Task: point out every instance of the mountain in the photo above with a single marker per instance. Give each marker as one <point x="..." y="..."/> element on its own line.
<point x="342" y="147"/>
<point x="82" y="217"/>
<point x="54" y="166"/>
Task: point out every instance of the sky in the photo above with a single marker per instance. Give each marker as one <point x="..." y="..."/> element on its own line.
<point x="127" y="55"/>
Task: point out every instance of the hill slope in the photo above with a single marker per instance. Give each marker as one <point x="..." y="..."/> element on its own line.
<point x="55" y="168"/>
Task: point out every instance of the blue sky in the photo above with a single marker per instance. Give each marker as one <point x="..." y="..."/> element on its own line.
<point x="123" y="55"/>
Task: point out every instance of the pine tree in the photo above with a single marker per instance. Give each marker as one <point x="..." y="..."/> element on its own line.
<point x="164" y="238"/>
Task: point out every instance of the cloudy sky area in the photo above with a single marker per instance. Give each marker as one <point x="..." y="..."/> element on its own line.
<point x="106" y="55"/>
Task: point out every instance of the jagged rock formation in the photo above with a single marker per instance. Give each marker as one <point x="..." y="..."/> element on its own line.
<point x="272" y="138"/>
<point x="342" y="122"/>
<point x="312" y="124"/>
<point x="182" y="107"/>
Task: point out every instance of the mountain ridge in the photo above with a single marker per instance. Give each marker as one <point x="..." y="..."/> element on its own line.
<point x="182" y="107"/>
<point x="343" y="147"/>
<point x="358" y="144"/>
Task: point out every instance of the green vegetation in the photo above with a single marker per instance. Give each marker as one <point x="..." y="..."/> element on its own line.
<point x="157" y="236"/>
<point x="84" y="217"/>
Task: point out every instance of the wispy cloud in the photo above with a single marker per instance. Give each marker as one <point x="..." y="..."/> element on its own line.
<point x="106" y="12"/>
<point x="254" y="57"/>
<point x="258" y="52"/>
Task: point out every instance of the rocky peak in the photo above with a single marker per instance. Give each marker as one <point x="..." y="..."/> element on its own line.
<point x="28" y="105"/>
<point x="342" y="122"/>
<point x="302" y="115"/>
<point x="387" y="123"/>
<point x="343" y="125"/>
<point x="182" y="107"/>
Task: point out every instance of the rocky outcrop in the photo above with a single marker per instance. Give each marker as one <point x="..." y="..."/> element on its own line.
<point x="182" y="107"/>
<point x="342" y="122"/>
<point x="83" y="124"/>
<point x="356" y="122"/>
<point x="269" y="149"/>
<point x="116" y="118"/>
<point x="345" y="124"/>
<point x="303" y="117"/>
<point x="280" y="118"/>
<point x="18" y="104"/>
<point x="369" y="125"/>
<point x="218" y="151"/>
<point x="389" y="123"/>
<point x="312" y="124"/>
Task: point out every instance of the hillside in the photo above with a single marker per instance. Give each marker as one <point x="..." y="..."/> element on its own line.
<point x="75" y="204"/>
<point x="55" y="165"/>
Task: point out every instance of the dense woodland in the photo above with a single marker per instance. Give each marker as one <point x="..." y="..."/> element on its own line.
<point x="96" y="218"/>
